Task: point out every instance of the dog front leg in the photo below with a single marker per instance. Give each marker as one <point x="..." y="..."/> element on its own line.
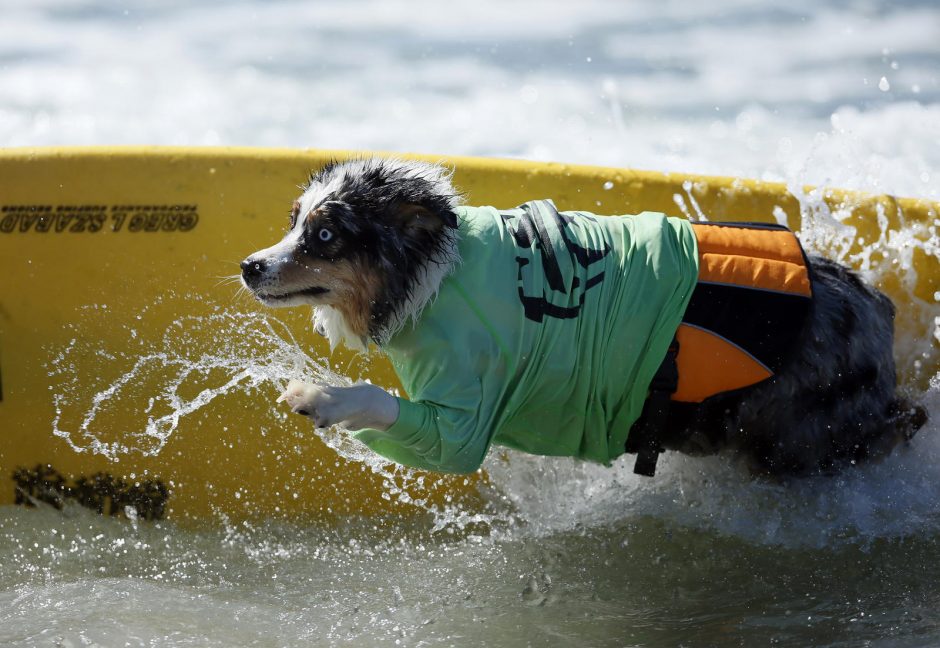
<point x="354" y="408"/>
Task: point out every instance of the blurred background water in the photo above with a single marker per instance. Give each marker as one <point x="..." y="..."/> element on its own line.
<point x="837" y="93"/>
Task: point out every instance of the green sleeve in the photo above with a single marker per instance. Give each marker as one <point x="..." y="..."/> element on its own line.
<point x="431" y="437"/>
<point x="448" y="424"/>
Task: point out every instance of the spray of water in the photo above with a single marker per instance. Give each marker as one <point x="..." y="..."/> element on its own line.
<point x="888" y="260"/>
<point x="157" y="384"/>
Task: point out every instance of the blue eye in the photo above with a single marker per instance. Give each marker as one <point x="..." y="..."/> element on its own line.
<point x="325" y="235"/>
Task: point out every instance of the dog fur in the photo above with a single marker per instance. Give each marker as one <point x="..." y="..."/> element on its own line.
<point x="371" y="240"/>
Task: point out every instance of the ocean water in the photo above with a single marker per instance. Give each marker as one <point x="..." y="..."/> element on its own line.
<point x="843" y="94"/>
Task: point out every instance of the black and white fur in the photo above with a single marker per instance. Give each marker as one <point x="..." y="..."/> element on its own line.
<point x="371" y="240"/>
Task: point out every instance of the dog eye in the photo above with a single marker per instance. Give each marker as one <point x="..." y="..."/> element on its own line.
<point x="325" y="235"/>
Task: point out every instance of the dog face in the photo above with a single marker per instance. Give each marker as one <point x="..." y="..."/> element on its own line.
<point x="313" y="264"/>
<point x="359" y="237"/>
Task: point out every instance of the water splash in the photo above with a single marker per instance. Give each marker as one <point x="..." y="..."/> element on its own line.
<point x="894" y="498"/>
<point x="257" y="351"/>
<point x="888" y="261"/>
<point x="157" y="384"/>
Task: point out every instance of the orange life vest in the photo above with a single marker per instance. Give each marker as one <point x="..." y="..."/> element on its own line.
<point x="748" y="309"/>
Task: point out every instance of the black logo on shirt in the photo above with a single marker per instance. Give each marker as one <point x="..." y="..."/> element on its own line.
<point x="530" y="228"/>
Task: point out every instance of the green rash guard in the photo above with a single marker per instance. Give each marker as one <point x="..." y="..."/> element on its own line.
<point x="545" y="338"/>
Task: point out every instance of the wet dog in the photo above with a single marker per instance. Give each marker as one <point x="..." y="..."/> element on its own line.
<point x="372" y="242"/>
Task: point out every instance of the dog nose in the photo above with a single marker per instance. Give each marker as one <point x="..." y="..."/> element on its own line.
<point x="252" y="269"/>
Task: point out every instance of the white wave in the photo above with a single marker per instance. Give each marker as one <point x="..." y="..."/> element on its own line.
<point x="725" y="89"/>
<point x="895" y="498"/>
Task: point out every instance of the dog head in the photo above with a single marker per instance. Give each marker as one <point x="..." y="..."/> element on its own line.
<point x="368" y="244"/>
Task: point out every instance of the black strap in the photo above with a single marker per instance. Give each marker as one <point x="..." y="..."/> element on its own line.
<point x="644" y="435"/>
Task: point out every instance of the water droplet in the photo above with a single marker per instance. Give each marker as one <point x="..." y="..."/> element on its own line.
<point x="131" y="513"/>
<point x="608" y="185"/>
<point x="531" y="594"/>
<point x="883" y="85"/>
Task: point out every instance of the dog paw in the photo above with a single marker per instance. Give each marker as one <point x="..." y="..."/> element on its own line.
<point x="353" y="408"/>
<point x="300" y="396"/>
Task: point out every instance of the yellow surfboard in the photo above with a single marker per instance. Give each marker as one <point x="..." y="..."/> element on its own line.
<point x="136" y="380"/>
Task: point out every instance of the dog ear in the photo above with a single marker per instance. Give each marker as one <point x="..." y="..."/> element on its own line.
<point x="413" y="217"/>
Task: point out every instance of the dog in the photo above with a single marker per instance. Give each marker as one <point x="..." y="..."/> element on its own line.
<point x="547" y="332"/>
